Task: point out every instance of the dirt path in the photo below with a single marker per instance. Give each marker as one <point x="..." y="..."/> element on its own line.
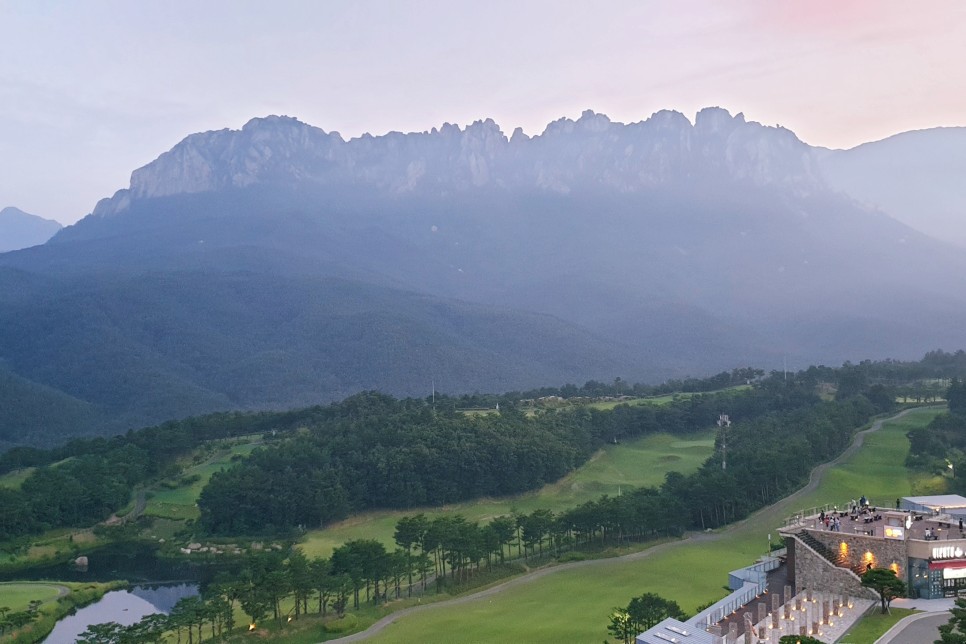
<point x="779" y="507"/>
<point x="140" y="502"/>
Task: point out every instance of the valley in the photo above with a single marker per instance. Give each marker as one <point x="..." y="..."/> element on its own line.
<point x="165" y="510"/>
<point x="480" y="323"/>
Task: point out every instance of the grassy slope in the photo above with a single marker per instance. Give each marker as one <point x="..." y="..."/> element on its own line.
<point x="17" y="595"/>
<point x="642" y="462"/>
<point x="180" y="503"/>
<point x="874" y="625"/>
<point x="662" y="400"/>
<point x="572" y="605"/>
<point x="15" y="478"/>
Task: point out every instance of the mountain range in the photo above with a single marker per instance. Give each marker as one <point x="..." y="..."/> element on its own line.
<point x="916" y="177"/>
<point x="19" y="229"/>
<point x="281" y="265"/>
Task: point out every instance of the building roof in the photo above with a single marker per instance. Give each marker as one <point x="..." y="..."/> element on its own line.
<point x="671" y="631"/>
<point x="945" y="501"/>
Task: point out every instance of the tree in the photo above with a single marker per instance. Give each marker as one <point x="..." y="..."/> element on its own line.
<point x="954" y="632"/>
<point x="798" y="639"/>
<point x="505" y="527"/>
<point x="230" y="590"/>
<point x="410" y="532"/>
<point x="622" y="626"/>
<point x="649" y="609"/>
<point x="150" y="630"/>
<point x="956" y="397"/>
<point x="189" y="611"/>
<point x="886" y="584"/>
<point x="300" y="579"/>
<point x="107" y="633"/>
<point x="323" y="582"/>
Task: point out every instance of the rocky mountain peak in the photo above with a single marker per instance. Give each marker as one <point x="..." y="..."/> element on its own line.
<point x="592" y="150"/>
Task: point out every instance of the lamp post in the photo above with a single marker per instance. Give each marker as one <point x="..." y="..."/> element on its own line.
<point x="952" y="470"/>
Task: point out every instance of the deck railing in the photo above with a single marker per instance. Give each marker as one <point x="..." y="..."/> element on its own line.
<point x="747" y="583"/>
<point x="802" y="517"/>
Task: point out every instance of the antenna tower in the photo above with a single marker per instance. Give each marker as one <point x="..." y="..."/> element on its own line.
<point x="724" y="423"/>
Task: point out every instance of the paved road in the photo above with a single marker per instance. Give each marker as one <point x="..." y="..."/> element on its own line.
<point x="918" y="631"/>
<point x="781" y="508"/>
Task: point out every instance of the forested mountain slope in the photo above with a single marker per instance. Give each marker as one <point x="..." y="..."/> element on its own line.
<point x="281" y="265"/>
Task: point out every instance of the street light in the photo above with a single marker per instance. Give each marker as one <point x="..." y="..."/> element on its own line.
<point x="952" y="470"/>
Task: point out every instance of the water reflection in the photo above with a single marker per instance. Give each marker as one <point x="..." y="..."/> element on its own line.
<point x="125" y="607"/>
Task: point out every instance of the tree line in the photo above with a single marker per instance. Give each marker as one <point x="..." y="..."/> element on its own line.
<point x="372" y="451"/>
<point x="939" y="448"/>
<point x="451" y="550"/>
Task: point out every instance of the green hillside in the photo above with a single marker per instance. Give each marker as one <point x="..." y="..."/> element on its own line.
<point x="637" y="463"/>
<point x="145" y="348"/>
<point x="34" y="413"/>
<point x="691" y="572"/>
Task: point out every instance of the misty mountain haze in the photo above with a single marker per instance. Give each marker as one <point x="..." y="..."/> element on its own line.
<point x="281" y="265"/>
<point x="19" y="229"/>
<point x="916" y="177"/>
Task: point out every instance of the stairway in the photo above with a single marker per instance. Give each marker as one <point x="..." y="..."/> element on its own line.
<point x="833" y="558"/>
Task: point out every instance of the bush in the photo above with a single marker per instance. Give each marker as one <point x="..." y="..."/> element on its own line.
<point x="342" y="625"/>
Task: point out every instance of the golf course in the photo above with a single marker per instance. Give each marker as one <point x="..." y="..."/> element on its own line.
<point x="637" y="463"/>
<point x="571" y="602"/>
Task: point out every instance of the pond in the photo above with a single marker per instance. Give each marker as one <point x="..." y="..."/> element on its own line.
<point x="125" y="607"/>
<point x="135" y="562"/>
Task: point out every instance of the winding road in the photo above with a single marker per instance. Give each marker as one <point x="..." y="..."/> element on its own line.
<point x="782" y="508"/>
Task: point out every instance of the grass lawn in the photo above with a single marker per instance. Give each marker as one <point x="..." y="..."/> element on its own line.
<point x="572" y="605"/>
<point x="877" y="470"/>
<point x="14" y="479"/>
<point x="637" y="402"/>
<point x="17" y="595"/>
<point x="637" y="463"/>
<point x="179" y="503"/>
<point x="874" y="625"/>
<point x="661" y="400"/>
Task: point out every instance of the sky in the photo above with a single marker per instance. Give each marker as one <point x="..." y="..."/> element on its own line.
<point x="91" y="90"/>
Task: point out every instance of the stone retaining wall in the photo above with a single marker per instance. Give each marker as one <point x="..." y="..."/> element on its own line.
<point x="884" y="552"/>
<point x="814" y="571"/>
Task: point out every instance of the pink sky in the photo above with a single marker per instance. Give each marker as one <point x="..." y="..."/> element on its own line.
<point x="89" y="91"/>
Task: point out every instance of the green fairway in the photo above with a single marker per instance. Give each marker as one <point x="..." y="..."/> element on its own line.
<point x="17" y="595"/>
<point x="180" y="502"/>
<point x="637" y="402"/>
<point x="663" y="400"/>
<point x="878" y="470"/>
<point x="637" y="463"/>
<point x="572" y="604"/>
<point x="15" y="478"/>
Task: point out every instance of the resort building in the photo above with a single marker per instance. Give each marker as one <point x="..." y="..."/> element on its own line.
<point x="814" y="587"/>
<point x="922" y="540"/>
